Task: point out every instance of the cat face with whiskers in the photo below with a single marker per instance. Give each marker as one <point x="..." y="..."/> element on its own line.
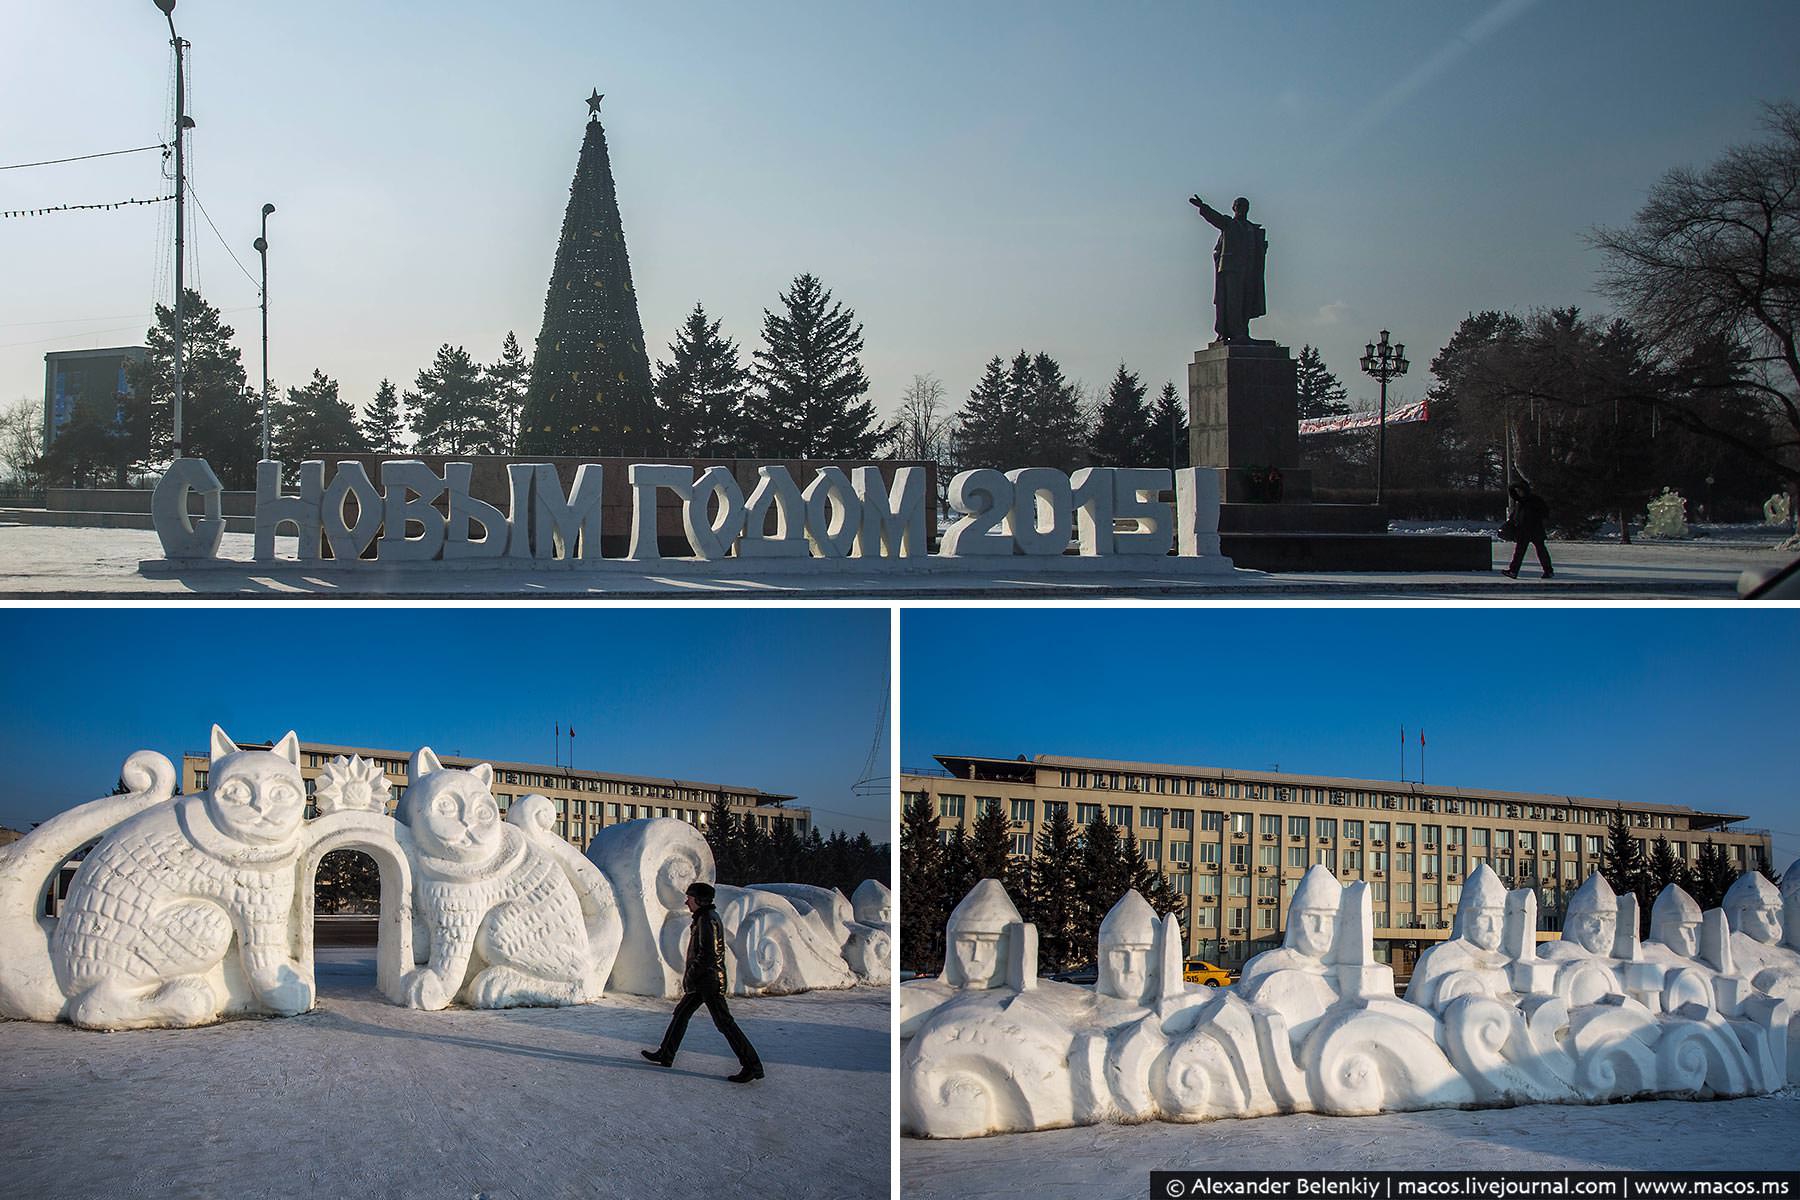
<point x="256" y="796"/>
<point x="453" y="813"/>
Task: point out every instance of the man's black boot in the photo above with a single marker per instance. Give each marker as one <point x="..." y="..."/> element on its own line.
<point x="747" y="1074"/>
<point x="657" y="1057"/>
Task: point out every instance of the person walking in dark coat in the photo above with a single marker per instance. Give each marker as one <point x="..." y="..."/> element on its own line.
<point x="703" y="982"/>
<point x="1529" y="512"/>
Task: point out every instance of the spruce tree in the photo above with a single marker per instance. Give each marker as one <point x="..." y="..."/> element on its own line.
<point x="987" y="433"/>
<point x="990" y="844"/>
<point x="1048" y="408"/>
<point x="1103" y="879"/>
<point x="383" y="423"/>
<point x="958" y="869"/>
<point x="1126" y="436"/>
<point x="1318" y="391"/>
<point x="1056" y="884"/>
<point x="724" y="837"/>
<point x="700" y="392"/>
<point x="220" y="417"/>
<point x="922" y="908"/>
<point x="1663" y="868"/>
<point x="508" y="379"/>
<point x="1623" y="863"/>
<point x="1170" y="415"/>
<point x="590" y="390"/>
<point x="1712" y="876"/>
<point x="453" y="409"/>
<point x="312" y="421"/>
<point x="809" y="396"/>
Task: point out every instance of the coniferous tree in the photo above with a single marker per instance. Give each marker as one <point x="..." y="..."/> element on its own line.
<point x="312" y="421"/>
<point x="1050" y="412"/>
<point x="384" y="423"/>
<point x="1317" y="390"/>
<point x="453" y="409"/>
<point x="1663" y="868"/>
<point x="1170" y="416"/>
<point x="590" y="387"/>
<point x="89" y="451"/>
<point x="923" y="909"/>
<point x="724" y="837"/>
<point x="508" y="379"/>
<point x="1126" y="436"/>
<point x="220" y="418"/>
<point x="990" y="844"/>
<point x="1104" y="880"/>
<point x="784" y="854"/>
<point x="700" y="393"/>
<point x="987" y="432"/>
<point x="754" y="852"/>
<point x="1712" y="876"/>
<point x="808" y="401"/>
<point x="1055" y="896"/>
<point x="1623" y="864"/>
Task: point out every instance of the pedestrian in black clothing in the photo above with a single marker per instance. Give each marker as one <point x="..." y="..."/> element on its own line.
<point x="703" y="982"/>
<point x="1529" y="512"/>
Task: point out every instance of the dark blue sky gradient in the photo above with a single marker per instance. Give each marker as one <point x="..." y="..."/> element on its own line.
<point x="783" y="700"/>
<point x="1688" y="706"/>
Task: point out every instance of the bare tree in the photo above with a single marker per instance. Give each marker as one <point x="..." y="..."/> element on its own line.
<point x="922" y="425"/>
<point x="22" y="441"/>
<point x="1713" y="258"/>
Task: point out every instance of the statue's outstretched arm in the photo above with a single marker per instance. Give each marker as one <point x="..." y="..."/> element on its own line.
<point x="1214" y="217"/>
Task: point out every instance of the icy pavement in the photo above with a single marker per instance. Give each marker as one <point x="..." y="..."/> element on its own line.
<point x="52" y="562"/>
<point x="360" y="1098"/>
<point x="1100" y="1162"/>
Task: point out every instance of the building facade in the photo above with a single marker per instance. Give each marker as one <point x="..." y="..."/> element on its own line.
<point x="1236" y="843"/>
<point x="90" y="379"/>
<point x="586" y="801"/>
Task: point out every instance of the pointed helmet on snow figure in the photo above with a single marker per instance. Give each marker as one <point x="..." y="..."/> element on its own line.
<point x="1753" y="907"/>
<point x="1675" y="921"/>
<point x="1313" y="913"/>
<point x="1481" y="912"/>
<point x="1127" y="946"/>
<point x="977" y="933"/>
<point x="1593" y="916"/>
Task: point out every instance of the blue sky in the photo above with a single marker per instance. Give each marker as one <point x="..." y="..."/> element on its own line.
<point x="1688" y="706"/>
<point x="786" y="700"/>
<point x="970" y="178"/>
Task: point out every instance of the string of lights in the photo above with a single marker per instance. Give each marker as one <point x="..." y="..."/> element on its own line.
<point x="62" y="208"/>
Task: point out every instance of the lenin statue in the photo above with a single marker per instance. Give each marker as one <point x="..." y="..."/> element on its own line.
<point x="1238" y="269"/>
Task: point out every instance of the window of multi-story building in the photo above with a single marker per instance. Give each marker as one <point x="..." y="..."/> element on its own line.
<point x="1208" y="885"/>
<point x="1183" y="884"/>
<point x="1268" y="887"/>
<point x="1327" y="858"/>
<point x="1211" y="822"/>
<point x="1181" y="852"/>
<point x="1428" y="863"/>
<point x="1378" y="892"/>
<point x="1086" y="814"/>
<point x="1503" y="866"/>
<point x="1593" y="846"/>
<point x="1353" y="860"/>
<point x="1528" y="841"/>
<point x="1240" y="824"/>
<point x="1119" y="814"/>
<point x="1570" y="841"/>
<point x="1503" y="841"/>
<point x="612" y="809"/>
<point x="1297" y="826"/>
<point x="1238" y="923"/>
<point x="944" y="837"/>
<point x="1325" y="827"/>
<point x="1428" y="894"/>
<point x="950" y="806"/>
<point x="1268" y="856"/>
<point x="1265" y="918"/>
<point x="1455" y="835"/>
<point x="983" y="803"/>
<point x="1403" y="860"/>
<point x="1378" y="831"/>
<point x="1207" y="916"/>
<point x="1478" y="838"/>
<point x="1209" y="852"/>
<point x="1269" y="825"/>
<point x="1236" y="792"/>
<point x="1181" y="818"/>
<point x="1240" y="885"/>
<point x="1021" y="810"/>
<point x="1569" y="870"/>
<point x="1456" y="864"/>
<point x="1021" y="843"/>
<point x="1403" y="893"/>
<point x="1378" y="860"/>
<point x="1055" y="808"/>
<point x="1403" y="833"/>
<point x="1353" y="829"/>
<point x="1452" y="894"/>
<point x="1296" y="856"/>
<point x="1150" y="817"/>
<point x="1429" y="836"/>
<point x="1240" y="855"/>
<point x="1152" y="850"/>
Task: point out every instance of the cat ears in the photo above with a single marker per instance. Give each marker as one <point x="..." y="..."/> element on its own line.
<point x="425" y="762"/>
<point x="288" y="747"/>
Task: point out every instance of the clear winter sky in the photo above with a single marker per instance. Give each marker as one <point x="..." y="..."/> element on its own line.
<point x="1666" y="706"/>
<point x="786" y="700"/>
<point x="971" y="178"/>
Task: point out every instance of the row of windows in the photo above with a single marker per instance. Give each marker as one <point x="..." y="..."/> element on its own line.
<point x="568" y="783"/>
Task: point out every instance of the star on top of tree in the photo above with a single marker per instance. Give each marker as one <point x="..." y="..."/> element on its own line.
<point x="593" y="103"/>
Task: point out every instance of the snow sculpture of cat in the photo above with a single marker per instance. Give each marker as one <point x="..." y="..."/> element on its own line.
<point x="503" y="901"/>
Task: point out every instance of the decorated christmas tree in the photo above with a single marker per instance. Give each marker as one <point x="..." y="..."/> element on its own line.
<point x="590" y="388"/>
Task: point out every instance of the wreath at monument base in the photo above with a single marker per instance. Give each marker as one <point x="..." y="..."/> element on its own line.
<point x="1263" y="484"/>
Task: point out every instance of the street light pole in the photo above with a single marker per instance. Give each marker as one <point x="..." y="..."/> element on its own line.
<point x="1384" y="362"/>
<point x="182" y="125"/>
<point x="262" y="250"/>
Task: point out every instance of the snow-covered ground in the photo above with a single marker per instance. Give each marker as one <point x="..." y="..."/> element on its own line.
<point x="360" y="1098"/>
<point x="1100" y="1162"/>
<point x="50" y="562"/>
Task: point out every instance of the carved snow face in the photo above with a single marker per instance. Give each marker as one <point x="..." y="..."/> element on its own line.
<point x="1684" y="938"/>
<point x="1130" y="969"/>
<point x="257" y="796"/>
<point x="977" y="957"/>
<point x="1314" y="930"/>
<point x="1763" y="922"/>
<point x="453" y="813"/>
<point x="1484" y="926"/>
<point x="1593" y="931"/>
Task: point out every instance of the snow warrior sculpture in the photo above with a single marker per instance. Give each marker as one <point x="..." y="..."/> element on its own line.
<point x="1315" y="1025"/>
<point x="192" y="908"/>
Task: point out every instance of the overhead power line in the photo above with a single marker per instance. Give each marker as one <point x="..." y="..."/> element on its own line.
<point x="51" y="162"/>
<point x="221" y="237"/>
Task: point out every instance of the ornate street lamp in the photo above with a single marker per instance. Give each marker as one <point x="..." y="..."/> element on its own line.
<point x="262" y="249"/>
<point x="183" y="123"/>
<point x="1384" y="362"/>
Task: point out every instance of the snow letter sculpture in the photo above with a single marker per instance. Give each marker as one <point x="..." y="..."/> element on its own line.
<point x="145" y="936"/>
<point x="1315" y="1026"/>
<point x="515" y="916"/>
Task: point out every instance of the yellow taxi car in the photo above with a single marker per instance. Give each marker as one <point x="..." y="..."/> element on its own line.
<point x="1198" y="970"/>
